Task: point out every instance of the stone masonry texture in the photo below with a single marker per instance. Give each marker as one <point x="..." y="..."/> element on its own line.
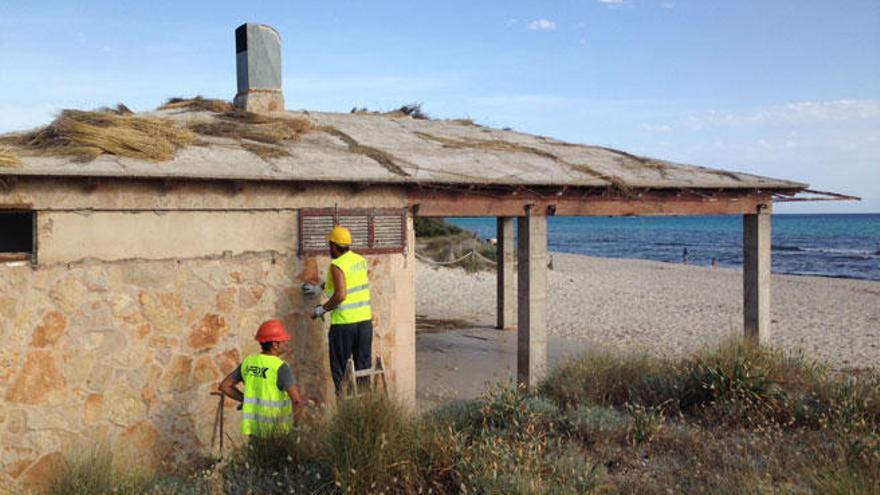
<point x="127" y="352"/>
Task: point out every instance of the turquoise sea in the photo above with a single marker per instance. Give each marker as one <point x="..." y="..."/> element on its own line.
<point x="846" y="246"/>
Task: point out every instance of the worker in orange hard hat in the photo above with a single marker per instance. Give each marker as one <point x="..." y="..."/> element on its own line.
<point x="347" y="288"/>
<point x="271" y="397"/>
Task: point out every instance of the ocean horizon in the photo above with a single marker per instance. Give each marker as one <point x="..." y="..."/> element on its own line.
<point x="826" y="245"/>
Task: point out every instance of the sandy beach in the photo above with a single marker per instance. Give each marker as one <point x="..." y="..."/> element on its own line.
<point x="632" y="305"/>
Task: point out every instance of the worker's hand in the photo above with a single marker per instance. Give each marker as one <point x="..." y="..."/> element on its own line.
<point x="319" y="312"/>
<point x="312" y="289"/>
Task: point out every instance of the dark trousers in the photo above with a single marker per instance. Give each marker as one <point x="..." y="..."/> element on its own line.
<point x="350" y="339"/>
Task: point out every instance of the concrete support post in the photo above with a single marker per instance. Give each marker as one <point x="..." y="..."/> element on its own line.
<point x="756" y="277"/>
<point x="506" y="256"/>
<point x="531" y="364"/>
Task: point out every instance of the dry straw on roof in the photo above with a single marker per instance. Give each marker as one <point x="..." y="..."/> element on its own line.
<point x="266" y="151"/>
<point x="507" y="146"/>
<point x="198" y="103"/>
<point x="256" y="127"/>
<point x="88" y="135"/>
<point x="413" y="110"/>
<point x="8" y="158"/>
<point x="387" y="160"/>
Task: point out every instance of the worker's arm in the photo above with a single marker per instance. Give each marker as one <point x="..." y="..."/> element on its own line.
<point x="338" y="287"/>
<point x="229" y="388"/>
<point x="296" y="398"/>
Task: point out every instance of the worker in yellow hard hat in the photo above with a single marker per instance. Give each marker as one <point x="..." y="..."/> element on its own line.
<point x="347" y="288"/>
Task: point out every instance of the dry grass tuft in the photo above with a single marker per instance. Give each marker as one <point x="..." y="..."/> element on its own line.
<point x="119" y="109"/>
<point x="88" y="135"/>
<point x="413" y="110"/>
<point x="469" y="122"/>
<point x="246" y="125"/>
<point x="8" y="158"/>
<point x="266" y="151"/>
<point x="384" y="158"/>
<point x="199" y="103"/>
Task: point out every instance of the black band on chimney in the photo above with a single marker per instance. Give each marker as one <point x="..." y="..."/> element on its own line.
<point x="241" y="38"/>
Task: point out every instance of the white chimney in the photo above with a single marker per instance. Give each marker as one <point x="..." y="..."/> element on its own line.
<point x="258" y="63"/>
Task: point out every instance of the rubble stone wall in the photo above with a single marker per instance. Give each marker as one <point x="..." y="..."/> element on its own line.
<point x="123" y="349"/>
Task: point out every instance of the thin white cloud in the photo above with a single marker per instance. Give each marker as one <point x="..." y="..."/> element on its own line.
<point x="668" y="5"/>
<point x="542" y="25"/>
<point x="656" y="128"/>
<point x="798" y="113"/>
<point x="613" y="3"/>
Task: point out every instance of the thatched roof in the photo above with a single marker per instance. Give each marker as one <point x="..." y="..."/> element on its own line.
<point x="369" y="147"/>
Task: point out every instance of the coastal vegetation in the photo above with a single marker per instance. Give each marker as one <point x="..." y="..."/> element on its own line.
<point x="734" y="419"/>
<point x="441" y="242"/>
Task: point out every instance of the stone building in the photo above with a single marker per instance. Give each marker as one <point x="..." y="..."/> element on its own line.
<point x="130" y="285"/>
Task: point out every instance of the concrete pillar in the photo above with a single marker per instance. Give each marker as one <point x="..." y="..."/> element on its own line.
<point x="531" y="363"/>
<point x="756" y="277"/>
<point x="258" y="67"/>
<point x="506" y="256"/>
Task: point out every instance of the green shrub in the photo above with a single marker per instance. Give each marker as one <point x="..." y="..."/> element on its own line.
<point x="609" y="380"/>
<point x="372" y="446"/>
<point x="289" y="463"/>
<point x="735" y="383"/>
<point x="498" y="464"/>
<point x="645" y="422"/>
<point x="850" y="403"/>
<point x="512" y="410"/>
<point x="457" y="414"/>
<point x="521" y="447"/>
<point x="592" y="422"/>
<point x="489" y="251"/>
<point x="434" y="227"/>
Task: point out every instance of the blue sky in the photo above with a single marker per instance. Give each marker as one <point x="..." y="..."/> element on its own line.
<point x="788" y="89"/>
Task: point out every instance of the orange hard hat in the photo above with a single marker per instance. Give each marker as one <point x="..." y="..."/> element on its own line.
<point x="272" y="331"/>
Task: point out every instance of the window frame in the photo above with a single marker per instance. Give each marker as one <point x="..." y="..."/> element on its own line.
<point x="370" y="213"/>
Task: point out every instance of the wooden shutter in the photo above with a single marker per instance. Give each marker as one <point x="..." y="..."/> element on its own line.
<point x="373" y="231"/>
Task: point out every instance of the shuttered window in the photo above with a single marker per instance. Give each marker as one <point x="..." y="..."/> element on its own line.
<point x="373" y="231"/>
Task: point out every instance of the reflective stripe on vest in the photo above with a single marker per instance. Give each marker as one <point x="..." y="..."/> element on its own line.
<point x="356" y="306"/>
<point x="266" y="411"/>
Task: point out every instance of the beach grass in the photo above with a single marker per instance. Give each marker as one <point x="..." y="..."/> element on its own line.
<point x="734" y="419"/>
<point x="441" y="241"/>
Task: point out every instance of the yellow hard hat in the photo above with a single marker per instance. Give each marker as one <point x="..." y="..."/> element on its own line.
<point x="340" y="236"/>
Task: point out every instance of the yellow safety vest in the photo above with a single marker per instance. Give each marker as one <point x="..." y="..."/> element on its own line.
<point x="356" y="306"/>
<point x="266" y="411"/>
